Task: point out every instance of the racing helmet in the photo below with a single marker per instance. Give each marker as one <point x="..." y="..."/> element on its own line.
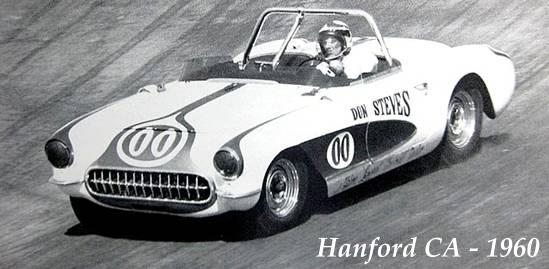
<point x="341" y="32"/>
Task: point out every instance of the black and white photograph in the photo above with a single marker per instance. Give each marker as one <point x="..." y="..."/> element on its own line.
<point x="274" y="134"/>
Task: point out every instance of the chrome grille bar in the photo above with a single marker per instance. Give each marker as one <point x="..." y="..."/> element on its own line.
<point x="134" y="185"/>
<point x="178" y="189"/>
<point x="142" y="185"/>
<point x="169" y="187"/>
<point x="165" y="187"/>
<point x="187" y="187"/>
<point x="151" y="185"/>
<point x="159" y="185"/>
<point x="196" y="187"/>
<point x="118" y="182"/>
<point x="94" y="177"/>
<point x="124" y="192"/>
<point x="103" y="182"/>
<point x="109" y="180"/>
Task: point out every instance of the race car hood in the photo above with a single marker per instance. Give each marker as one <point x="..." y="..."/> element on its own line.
<point x="180" y="111"/>
<point x="208" y="106"/>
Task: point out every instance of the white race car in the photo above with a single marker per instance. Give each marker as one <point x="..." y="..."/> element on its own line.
<point x="259" y="132"/>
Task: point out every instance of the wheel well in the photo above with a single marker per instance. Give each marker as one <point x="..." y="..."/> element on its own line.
<point x="474" y="80"/>
<point x="318" y="184"/>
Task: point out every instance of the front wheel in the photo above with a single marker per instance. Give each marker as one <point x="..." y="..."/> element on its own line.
<point x="283" y="197"/>
<point x="463" y="125"/>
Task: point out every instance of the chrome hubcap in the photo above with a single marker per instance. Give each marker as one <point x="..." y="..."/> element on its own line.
<point x="282" y="187"/>
<point x="461" y="119"/>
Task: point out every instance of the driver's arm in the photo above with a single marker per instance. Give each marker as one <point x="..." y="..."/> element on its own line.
<point x="331" y="68"/>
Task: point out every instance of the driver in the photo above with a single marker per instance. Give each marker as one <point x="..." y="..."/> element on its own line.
<point x="335" y="42"/>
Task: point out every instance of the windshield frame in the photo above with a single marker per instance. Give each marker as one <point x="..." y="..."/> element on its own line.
<point x="300" y="13"/>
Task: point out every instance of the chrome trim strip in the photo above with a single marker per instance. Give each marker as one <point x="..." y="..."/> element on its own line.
<point x="333" y="181"/>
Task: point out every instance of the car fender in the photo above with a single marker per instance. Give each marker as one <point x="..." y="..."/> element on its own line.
<point x="263" y="144"/>
<point x="494" y="67"/>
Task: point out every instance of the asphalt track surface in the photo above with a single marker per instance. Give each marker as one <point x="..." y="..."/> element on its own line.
<point x="60" y="59"/>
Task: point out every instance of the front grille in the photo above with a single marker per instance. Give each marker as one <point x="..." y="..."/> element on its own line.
<point x="149" y="186"/>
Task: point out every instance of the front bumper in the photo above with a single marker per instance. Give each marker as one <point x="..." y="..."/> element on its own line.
<point x="220" y="204"/>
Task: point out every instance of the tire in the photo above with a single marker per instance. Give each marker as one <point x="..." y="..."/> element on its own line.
<point x="284" y="197"/>
<point x="464" y="121"/>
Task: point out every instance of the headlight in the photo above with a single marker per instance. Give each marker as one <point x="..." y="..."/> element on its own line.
<point x="228" y="163"/>
<point x="58" y="153"/>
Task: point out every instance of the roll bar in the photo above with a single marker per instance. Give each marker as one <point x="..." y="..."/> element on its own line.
<point x="301" y="12"/>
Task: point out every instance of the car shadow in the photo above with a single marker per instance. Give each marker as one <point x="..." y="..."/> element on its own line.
<point x="157" y="227"/>
<point x="495" y="140"/>
<point x="229" y="227"/>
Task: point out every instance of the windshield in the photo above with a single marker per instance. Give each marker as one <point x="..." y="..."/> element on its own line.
<point x="287" y="73"/>
<point x="285" y="50"/>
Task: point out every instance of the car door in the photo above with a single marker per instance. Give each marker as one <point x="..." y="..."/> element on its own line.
<point x="394" y="107"/>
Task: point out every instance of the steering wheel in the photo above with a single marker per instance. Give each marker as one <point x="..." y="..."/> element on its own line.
<point x="316" y="58"/>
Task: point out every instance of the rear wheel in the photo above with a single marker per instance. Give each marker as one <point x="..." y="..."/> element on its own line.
<point x="283" y="197"/>
<point x="463" y="125"/>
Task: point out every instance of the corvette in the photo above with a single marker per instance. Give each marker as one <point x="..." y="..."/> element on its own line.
<point x="264" y="132"/>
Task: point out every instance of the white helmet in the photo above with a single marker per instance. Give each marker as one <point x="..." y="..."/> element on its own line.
<point x="340" y="31"/>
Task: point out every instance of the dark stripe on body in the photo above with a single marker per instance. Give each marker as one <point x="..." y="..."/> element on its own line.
<point x="194" y="105"/>
<point x="180" y="114"/>
<point x="183" y="112"/>
<point x="200" y="102"/>
<point x="234" y="143"/>
<point x="63" y="133"/>
<point x="371" y="140"/>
